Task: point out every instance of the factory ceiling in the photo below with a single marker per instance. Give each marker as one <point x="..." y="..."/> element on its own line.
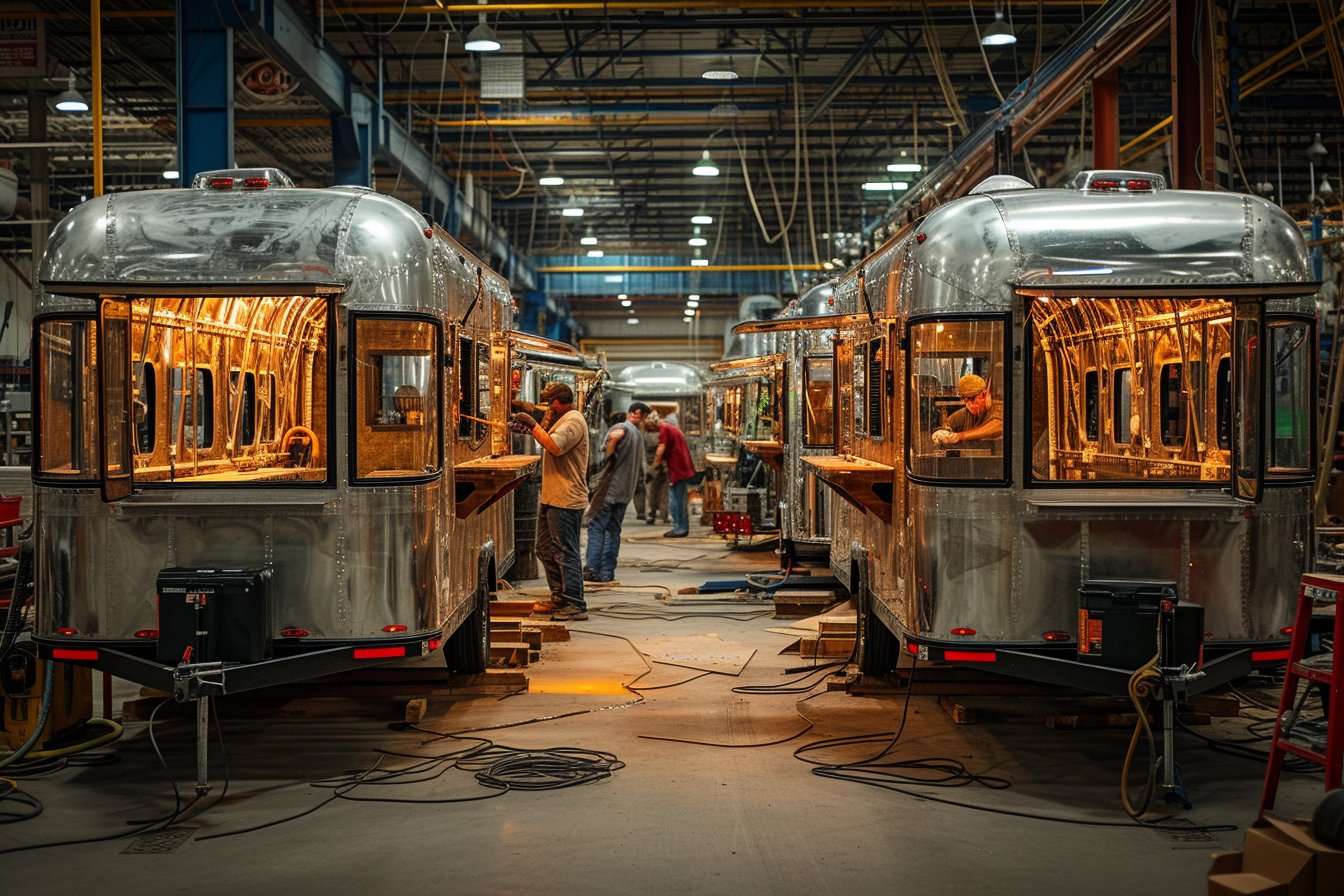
<point x="811" y="101"/>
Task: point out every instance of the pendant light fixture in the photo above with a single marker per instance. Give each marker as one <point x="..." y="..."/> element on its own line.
<point x="705" y="167"/>
<point x="482" y="39"/>
<point x="999" y="33"/>
<point x="70" y="100"/>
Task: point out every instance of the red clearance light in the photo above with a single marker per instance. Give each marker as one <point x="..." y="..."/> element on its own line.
<point x="294" y="632"/>
<point x="920" y="238"/>
<point x="913" y="648"/>
<point x="1057" y="636"/>
<point x="67" y="632"/>
<point x="1104" y="185"/>
<point x="66" y="654"/>
<point x="146" y="634"/>
<point x="393" y="629"/>
<point x="1139" y="185"/>
<point x="429" y="232"/>
<point x="256" y="183"/>
<point x="221" y="183"/>
<point x="1269" y="656"/>
<point x="1286" y="630"/>
<point x="378" y="653"/>
<point x="969" y="656"/>
<point x="963" y="631"/>
<point x="433" y="644"/>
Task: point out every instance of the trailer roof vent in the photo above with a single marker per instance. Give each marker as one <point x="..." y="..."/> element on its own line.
<point x="241" y="179"/>
<point x="1117" y="182"/>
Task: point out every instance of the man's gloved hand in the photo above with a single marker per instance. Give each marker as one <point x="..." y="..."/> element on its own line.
<point x="524" y="422"/>
<point x="944" y="437"/>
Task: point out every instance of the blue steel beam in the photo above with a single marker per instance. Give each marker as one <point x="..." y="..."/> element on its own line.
<point x="204" y="90"/>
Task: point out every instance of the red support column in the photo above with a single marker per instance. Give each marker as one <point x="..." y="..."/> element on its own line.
<point x="1192" y="109"/>
<point x="1106" y="120"/>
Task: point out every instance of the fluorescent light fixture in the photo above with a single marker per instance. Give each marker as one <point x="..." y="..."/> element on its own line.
<point x="699" y="262"/>
<point x="702" y="219"/>
<point x="612" y="278"/>
<point x="693" y="297"/>
<point x="999" y="33"/>
<point x="551" y="177"/>
<point x="692" y="304"/>
<point x="905" y="167"/>
<point x="698" y="241"/>
<point x="595" y="253"/>
<point x="70" y="100"/>
<point x="572" y="208"/>
<point x="171" y="174"/>
<point x="705" y="167"/>
<point x="588" y="240"/>
<point x="622" y="297"/>
<point x="625" y="303"/>
<point x="632" y="320"/>
<point x="885" y="186"/>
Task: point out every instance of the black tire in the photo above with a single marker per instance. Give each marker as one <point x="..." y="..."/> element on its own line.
<point x="879" y="648"/>
<point x="468" y="649"/>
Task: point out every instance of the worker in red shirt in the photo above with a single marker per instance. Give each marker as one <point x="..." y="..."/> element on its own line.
<point x="676" y="454"/>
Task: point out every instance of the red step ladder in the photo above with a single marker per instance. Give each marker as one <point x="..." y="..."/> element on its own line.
<point x="1324" y="590"/>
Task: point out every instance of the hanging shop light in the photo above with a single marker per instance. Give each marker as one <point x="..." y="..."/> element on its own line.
<point x="705" y="167"/>
<point x="70" y="99"/>
<point x="482" y="39"/>
<point x="572" y="208"/>
<point x="999" y="33"/>
<point x="551" y="177"/>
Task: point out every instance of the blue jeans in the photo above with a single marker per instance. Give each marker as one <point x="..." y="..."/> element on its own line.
<point x="676" y="507"/>
<point x="604" y="540"/>
<point x="557" y="548"/>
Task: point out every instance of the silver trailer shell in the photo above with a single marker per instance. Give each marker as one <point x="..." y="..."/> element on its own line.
<point x="345" y="560"/>
<point x="1007" y="562"/>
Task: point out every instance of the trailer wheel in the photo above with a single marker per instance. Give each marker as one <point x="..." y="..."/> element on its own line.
<point x="468" y="649"/>
<point x="880" y="649"/>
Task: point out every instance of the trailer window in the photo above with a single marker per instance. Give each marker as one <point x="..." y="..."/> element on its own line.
<point x="1148" y="409"/>
<point x="396" y="398"/>
<point x="957" y="383"/>
<point x="819" y="402"/>
<point x="146" y="406"/>
<point x="1290" y="396"/>
<point x="1092" y="405"/>
<point x="1223" y="397"/>
<point x="243" y="407"/>
<point x="1172" y="404"/>
<point x="473" y="371"/>
<point x="67" y="400"/>
<point x="193" y="419"/>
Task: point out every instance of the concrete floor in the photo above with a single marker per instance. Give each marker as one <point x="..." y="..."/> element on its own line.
<point x="676" y="818"/>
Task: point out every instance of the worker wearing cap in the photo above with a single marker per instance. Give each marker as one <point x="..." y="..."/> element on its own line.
<point x="563" y="433"/>
<point x="980" y="418"/>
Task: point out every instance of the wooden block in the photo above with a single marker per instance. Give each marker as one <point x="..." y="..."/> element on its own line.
<point x="509" y="653"/>
<point x="802" y="603"/>
<point x="825" y="647"/>
<point x="416" y="709"/>
<point x="553" y="631"/>
<point x="532" y="634"/>
<point x="511" y="608"/>
<point x="511" y="626"/>
<point x="848" y="629"/>
<point x="492" y="681"/>
<point x="958" y="712"/>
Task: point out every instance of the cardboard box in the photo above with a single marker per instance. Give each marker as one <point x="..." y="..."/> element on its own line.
<point x="1329" y="861"/>
<point x="1245" y="883"/>
<point x="1269" y="852"/>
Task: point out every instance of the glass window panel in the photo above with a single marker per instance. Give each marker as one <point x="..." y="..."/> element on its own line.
<point x="942" y="353"/>
<point x="396" y="398"/>
<point x="1291" y="376"/>
<point x="1092" y="404"/>
<point x="146" y="408"/>
<point x="819" y="402"/>
<point x="68" y="434"/>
